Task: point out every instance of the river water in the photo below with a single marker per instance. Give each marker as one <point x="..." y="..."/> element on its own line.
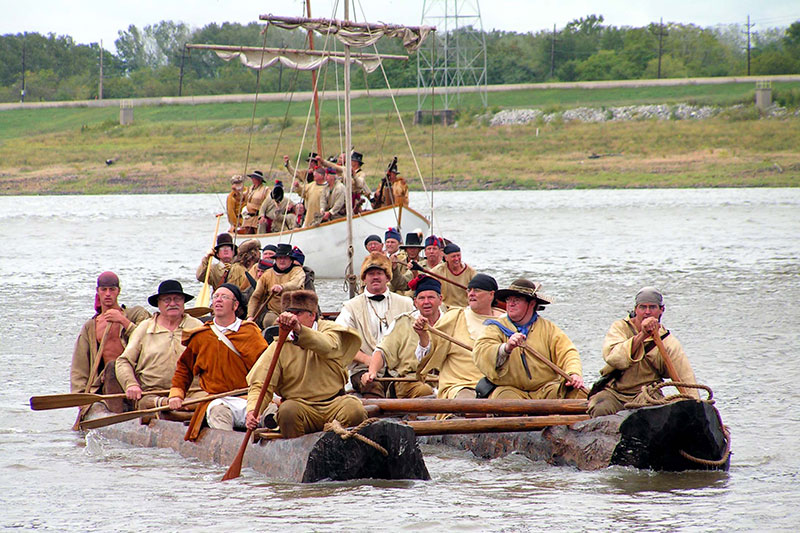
<point x="726" y="260"/>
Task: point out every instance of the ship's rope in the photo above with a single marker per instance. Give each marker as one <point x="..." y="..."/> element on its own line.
<point x="649" y="397"/>
<point x="337" y="428"/>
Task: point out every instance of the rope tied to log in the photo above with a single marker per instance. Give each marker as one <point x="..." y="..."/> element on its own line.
<point x="337" y="428"/>
<point x="649" y="397"/>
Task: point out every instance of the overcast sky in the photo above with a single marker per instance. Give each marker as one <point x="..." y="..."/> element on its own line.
<point x="94" y="20"/>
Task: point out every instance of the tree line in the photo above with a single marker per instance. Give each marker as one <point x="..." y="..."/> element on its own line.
<point x="152" y="61"/>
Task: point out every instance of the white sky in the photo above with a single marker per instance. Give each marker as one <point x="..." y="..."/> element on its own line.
<point x="94" y="20"/>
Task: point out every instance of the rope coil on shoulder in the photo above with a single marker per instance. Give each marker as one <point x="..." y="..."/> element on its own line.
<point x="337" y="428"/>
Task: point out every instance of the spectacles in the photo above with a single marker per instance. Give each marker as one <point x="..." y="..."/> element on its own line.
<point x="222" y="297"/>
<point x="171" y="299"/>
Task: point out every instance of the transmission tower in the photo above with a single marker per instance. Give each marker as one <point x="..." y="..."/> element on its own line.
<point x="455" y="59"/>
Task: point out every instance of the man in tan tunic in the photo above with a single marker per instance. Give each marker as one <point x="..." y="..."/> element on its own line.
<point x="433" y="252"/>
<point x="302" y="175"/>
<point x="401" y="275"/>
<point x="514" y="372"/>
<point x="253" y="200"/>
<point x="276" y="213"/>
<point x="225" y="271"/>
<point x="235" y="203"/>
<point x="312" y="194"/>
<point x="361" y="190"/>
<point x="370" y="314"/>
<point x="149" y="359"/>
<point x="633" y="361"/>
<point x="458" y="375"/>
<point x="110" y="329"/>
<point x="398" y="350"/>
<point x="283" y="276"/>
<point x="333" y="204"/>
<point x="310" y="372"/>
<point x="453" y="269"/>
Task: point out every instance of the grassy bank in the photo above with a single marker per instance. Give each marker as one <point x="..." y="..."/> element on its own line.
<point x="197" y="148"/>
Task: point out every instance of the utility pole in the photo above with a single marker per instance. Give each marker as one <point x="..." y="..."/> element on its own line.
<point x="660" y="42"/>
<point x="180" y="83"/>
<point x="100" y="81"/>
<point x="748" y="25"/>
<point x="553" y="53"/>
<point x="22" y="90"/>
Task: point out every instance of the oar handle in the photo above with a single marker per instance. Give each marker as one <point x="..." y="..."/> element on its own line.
<point x="673" y="373"/>
<point x="262" y="306"/>
<point x="447" y="337"/>
<point x="554" y="367"/>
<point x="417" y="266"/>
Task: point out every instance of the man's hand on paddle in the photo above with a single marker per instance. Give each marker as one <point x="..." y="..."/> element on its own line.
<point x="289" y="321"/>
<point x="116" y="315"/>
<point x="175" y="403"/>
<point x="421" y="327"/>
<point x="575" y="381"/>
<point x="515" y="341"/>
<point x="250" y="420"/>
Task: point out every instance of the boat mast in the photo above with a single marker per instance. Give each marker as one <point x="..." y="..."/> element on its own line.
<point x="348" y="165"/>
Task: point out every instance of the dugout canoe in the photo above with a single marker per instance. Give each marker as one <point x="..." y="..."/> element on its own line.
<point x="683" y="435"/>
<point x="314" y="457"/>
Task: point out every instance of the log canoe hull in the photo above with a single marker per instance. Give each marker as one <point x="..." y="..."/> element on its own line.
<point x="646" y="438"/>
<point x="307" y="459"/>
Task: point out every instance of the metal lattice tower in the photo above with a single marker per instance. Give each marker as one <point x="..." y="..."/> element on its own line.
<point x="456" y="56"/>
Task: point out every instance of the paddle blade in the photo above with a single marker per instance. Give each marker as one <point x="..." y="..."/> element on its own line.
<point x="60" y="401"/>
<point x="235" y="470"/>
<point x="109" y="420"/>
<point x="197" y="312"/>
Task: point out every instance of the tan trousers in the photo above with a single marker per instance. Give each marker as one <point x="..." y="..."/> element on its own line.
<point x="412" y="389"/>
<point x="298" y="417"/>
<point x="609" y="401"/>
<point x="373" y="390"/>
<point x="551" y="390"/>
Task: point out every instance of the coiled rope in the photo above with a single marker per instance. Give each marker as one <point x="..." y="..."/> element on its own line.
<point x="337" y="428"/>
<point x="649" y="397"/>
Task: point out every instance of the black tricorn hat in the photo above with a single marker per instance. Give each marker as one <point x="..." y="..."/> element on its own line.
<point x="412" y="241"/>
<point x="311" y="155"/>
<point x="256" y="174"/>
<point x="169" y="286"/>
<point x="358" y="157"/>
<point x="283" y="249"/>
<point x="225" y="239"/>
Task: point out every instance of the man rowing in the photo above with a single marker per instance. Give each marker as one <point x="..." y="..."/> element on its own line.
<point x="513" y="372"/>
<point x="225" y="271"/>
<point x="398" y="349"/>
<point x="401" y="275"/>
<point x="220" y="353"/>
<point x="149" y="359"/>
<point x="102" y="339"/>
<point x="458" y="375"/>
<point x="310" y="372"/>
<point x="370" y="314"/>
<point x="633" y="360"/>
<point x="283" y="276"/>
<point x="454" y="270"/>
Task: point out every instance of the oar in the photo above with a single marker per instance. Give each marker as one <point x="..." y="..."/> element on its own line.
<point x="261" y="307"/>
<point x="491" y="425"/>
<point x="76" y="399"/>
<point x="236" y="466"/>
<point x="130" y="415"/>
<point x="417" y="266"/>
<point x="405" y="379"/>
<point x="461" y="406"/>
<point x="203" y="298"/>
<point x="673" y="373"/>
<point x="92" y="374"/>
<point x="525" y="347"/>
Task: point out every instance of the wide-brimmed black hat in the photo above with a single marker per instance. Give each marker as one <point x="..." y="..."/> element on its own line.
<point x="358" y="157"/>
<point x="412" y="241"/>
<point x="284" y="250"/>
<point x="169" y="286"/>
<point x="525" y="288"/>
<point x="311" y="155"/>
<point x="225" y="239"/>
<point x="257" y="174"/>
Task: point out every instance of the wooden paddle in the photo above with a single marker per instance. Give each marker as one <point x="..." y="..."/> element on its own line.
<point x="525" y="347"/>
<point x="236" y="466"/>
<point x="491" y="425"/>
<point x="197" y="312"/>
<point x="261" y="307"/>
<point x="130" y="415"/>
<point x="417" y="266"/>
<point x="673" y="373"/>
<point x="76" y="399"/>
<point x="203" y="299"/>
<point x="92" y="375"/>
<point x="406" y="379"/>
<point x="506" y="407"/>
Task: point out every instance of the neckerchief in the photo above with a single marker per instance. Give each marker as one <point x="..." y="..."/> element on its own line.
<point x="524" y="329"/>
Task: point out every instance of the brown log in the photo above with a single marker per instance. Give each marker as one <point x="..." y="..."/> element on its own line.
<point x="491" y="425"/>
<point x="506" y="407"/>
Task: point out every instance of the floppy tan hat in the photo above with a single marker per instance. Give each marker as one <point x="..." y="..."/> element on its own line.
<point x="523" y="287"/>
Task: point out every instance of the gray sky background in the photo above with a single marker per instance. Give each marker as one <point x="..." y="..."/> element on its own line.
<point x="94" y="20"/>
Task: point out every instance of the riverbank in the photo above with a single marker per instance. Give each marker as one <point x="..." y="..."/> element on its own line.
<point x="185" y="149"/>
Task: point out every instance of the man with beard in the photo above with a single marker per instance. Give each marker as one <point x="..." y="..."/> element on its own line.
<point x="633" y="361"/>
<point x="283" y="276"/>
<point x="398" y="349"/>
<point x="102" y="339"/>
<point x="149" y="359"/>
<point x="513" y="373"/>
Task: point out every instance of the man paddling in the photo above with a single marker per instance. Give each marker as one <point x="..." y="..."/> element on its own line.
<point x="433" y="252"/>
<point x="458" y="375"/>
<point x="401" y="275"/>
<point x="310" y="372"/>
<point x="398" y="349"/>
<point x="512" y="372"/>
<point x="104" y="336"/>
<point x="454" y="270"/>
<point x="633" y="360"/>
<point x="149" y="359"/>
<point x="283" y="276"/>
<point x="370" y="314"/>
<point x="225" y="271"/>
<point x="220" y="353"/>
